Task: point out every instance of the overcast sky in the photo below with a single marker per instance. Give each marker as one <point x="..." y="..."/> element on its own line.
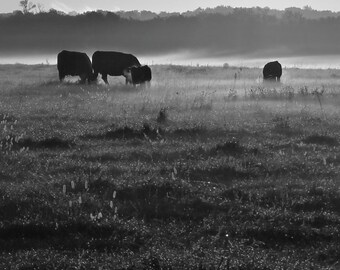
<point x="167" y="5"/>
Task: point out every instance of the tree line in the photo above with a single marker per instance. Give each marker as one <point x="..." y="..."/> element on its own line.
<point x="244" y="30"/>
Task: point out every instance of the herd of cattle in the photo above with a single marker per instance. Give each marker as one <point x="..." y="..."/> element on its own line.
<point x="105" y="63"/>
<point x="122" y="64"/>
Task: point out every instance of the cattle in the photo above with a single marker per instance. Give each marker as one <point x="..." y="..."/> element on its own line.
<point x="74" y="64"/>
<point x="113" y="64"/>
<point x="272" y="71"/>
<point x="138" y="75"/>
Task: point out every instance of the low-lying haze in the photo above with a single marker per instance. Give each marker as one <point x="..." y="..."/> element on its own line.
<point x="310" y="61"/>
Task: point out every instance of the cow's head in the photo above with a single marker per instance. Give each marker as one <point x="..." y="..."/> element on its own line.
<point x="127" y="74"/>
<point x="140" y="74"/>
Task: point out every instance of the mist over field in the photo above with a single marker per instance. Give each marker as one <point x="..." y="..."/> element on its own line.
<point x="241" y="36"/>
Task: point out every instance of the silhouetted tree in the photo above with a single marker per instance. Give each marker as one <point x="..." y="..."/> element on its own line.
<point x="27" y="6"/>
<point x="40" y="8"/>
<point x="290" y="16"/>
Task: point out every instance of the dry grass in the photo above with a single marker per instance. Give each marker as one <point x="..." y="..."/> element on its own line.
<point x="208" y="171"/>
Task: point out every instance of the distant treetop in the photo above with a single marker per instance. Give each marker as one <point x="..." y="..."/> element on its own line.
<point x="27" y="6"/>
<point x="306" y="12"/>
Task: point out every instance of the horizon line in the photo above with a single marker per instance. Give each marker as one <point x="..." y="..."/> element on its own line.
<point x="169" y="12"/>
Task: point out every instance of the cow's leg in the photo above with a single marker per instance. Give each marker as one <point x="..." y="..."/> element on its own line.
<point x="128" y="81"/>
<point x="143" y="85"/>
<point x="61" y="77"/>
<point x="93" y="77"/>
<point x="82" y="78"/>
<point x="104" y="77"/>
<point x="128" y="76"/>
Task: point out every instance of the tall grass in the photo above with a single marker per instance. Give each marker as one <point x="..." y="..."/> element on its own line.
<point x="204" y="170"/>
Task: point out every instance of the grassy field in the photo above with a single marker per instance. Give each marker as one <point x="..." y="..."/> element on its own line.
<point x="207" y="169"/>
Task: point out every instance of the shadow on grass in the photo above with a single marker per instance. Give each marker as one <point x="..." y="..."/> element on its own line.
<point x="102" y="157"/>
<point x="230" y="147"/>
<point x="276" y="235"/>
<point x="67" y="236"/>
<point x="233" y="147"/>
<point x="49" y="143"/>
<point x="237" y="194"/>
<point x="7" y="117"/>
<point x="5" y="177"/>
<point x="322" y="140"/>
<point x="163" y="202"/>
<point x="223" y="174"/>
<point x="319" y="199"/>
<point x="187" y="132"/>
<point x="126" y="133"/>
<point x="160" y="133"/>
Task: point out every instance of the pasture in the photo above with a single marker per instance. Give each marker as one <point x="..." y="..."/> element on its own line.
<point x="207" y="169"/>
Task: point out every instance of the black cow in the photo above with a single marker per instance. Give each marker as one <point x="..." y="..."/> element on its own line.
<point x="272" y="71"/>
<point x="113" y="64"/>
<point x="74" y="64"/>
<point x="138" y="75"/>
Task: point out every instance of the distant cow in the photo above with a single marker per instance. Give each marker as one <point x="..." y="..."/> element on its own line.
<point x="272" y="71"/>
<point x="74" y="64"/>
<point x="113" y="64"/>
<point x="138" y="75"/>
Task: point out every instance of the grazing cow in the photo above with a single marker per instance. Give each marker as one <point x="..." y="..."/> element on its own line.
<point x="74" y="64"/>
<point x="138" y="75"/>
<point x="113" y="64"/>
<point x="272" y="71"/>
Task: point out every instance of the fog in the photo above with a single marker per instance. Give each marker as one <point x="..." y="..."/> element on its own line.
<point x="192" y="59"/>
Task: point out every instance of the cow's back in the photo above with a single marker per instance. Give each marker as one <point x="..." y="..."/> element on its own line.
<point x="74" y="63"/>
<point x="113" y="63"/>
<point x="272" y="70"/>
<point x="66" y="62"/>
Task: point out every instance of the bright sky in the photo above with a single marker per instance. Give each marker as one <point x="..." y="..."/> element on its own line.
<point x="167" y="5"/>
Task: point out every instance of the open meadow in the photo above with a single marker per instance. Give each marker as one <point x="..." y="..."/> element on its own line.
<point x="207" y="169"/>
